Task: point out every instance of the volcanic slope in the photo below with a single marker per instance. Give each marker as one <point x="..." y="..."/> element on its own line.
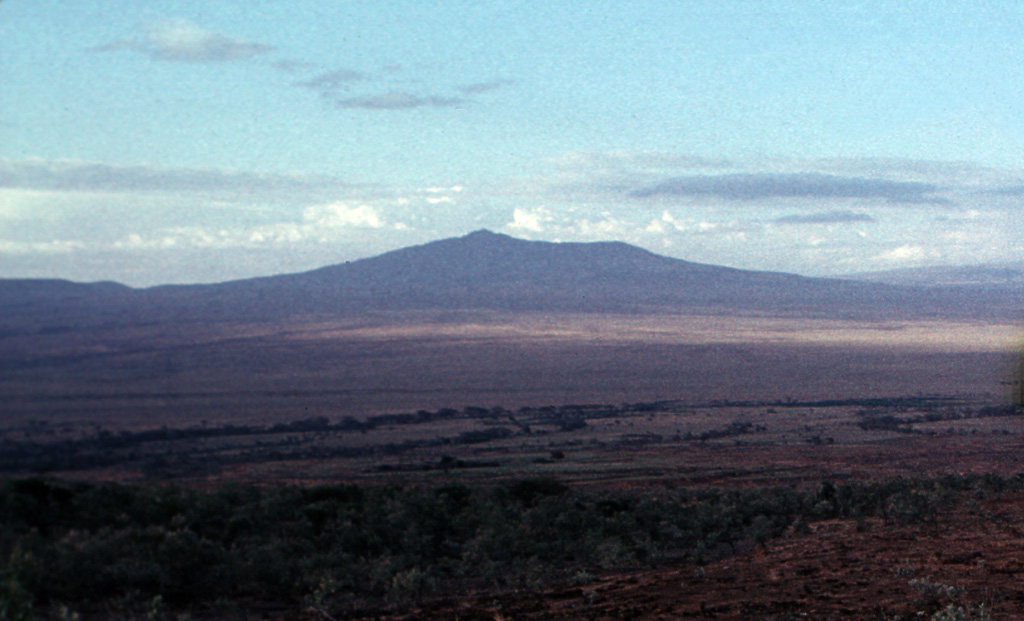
<point x="490" y="271"/>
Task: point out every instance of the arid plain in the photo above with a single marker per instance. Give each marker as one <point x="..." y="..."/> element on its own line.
<point x="181" y="374"/>
<point x="693" y="442"/>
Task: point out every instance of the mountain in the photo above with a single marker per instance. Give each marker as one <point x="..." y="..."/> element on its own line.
<point x="989" y="274"/>
<point x="485" y="270"/>
<point x="48" y="302"/>
<point x="490" y="271"/>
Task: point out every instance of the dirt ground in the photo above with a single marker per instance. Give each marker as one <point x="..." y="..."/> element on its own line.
<point x="841" y="569"/>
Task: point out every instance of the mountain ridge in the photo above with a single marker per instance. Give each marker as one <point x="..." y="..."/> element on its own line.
<point x="491" y="271"/>
<point x="983" y="274"/>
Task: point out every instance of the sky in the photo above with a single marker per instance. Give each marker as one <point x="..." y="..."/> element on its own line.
<point x="174" y="142"/>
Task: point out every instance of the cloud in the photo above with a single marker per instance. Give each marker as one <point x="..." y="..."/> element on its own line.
<point x="695" y="227"/>
<point x="906" y="253"/>
<point x="530" y="220"/>
<point x="484" y="87"/>
<point x="332" y="80"/>
<point x="79" y="176"/>
<point x="398" y="100"/>
<point x="318" y="224"/>
<point x="607" y="227"/>
<point x="637" y="161"/>
<point x="179" y="40"/>
<point x="825" y="217"/>
<point x="757" y="186"/>
<point x="654" y="167"/>
<point x="342" y="215"/>
<point x="1010" y="190"/>
<point x="663" y="224"/>
<point x="889" y="166"/>
<point x="48" y="247"/>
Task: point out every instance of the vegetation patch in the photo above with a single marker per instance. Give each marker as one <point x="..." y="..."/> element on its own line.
<point x="347" y="550"/>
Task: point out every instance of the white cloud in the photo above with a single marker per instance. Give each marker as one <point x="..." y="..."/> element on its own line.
<point x="19" y="204"/>
<point x="530" y="220"/>
<point x="906" y="253"/>
<point x="959" y="236"/>
<point x="665" y="223"/>
<point x="437" y="195"/>
<point x="608" y="227"/>
<point x="340" y="215"/>
<point x="178" y="237"/>
<point x="57" y="246"/>
<point x="92" y="209"/>
<point x="180" y="40"/>
<point x="319" y="224"/>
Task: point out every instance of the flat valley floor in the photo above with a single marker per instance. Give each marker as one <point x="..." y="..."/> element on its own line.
<point x="181" y="374"/>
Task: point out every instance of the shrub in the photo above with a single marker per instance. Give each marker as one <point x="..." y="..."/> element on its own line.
<point x="959" y="613"/>
<point x="348" y="547"/>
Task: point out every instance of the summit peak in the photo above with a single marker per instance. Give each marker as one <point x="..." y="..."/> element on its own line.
<point x="484" y="233"/>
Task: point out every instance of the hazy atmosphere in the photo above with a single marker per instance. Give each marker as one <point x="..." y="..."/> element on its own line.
<point x="179" y="141"/>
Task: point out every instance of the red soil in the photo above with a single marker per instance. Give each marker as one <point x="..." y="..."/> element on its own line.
<point x="973" y="556"/>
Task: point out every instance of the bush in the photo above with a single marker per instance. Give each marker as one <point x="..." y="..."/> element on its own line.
<point x="959" y="613"/>
<point x="346" y="548"/>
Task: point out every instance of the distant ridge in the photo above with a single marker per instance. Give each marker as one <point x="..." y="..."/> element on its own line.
<point x="484" y="270"/>
<point x="1002" y="275"/>
<point x="492" y="271"/>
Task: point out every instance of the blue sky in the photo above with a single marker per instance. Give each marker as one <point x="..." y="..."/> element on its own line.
<point x="154" y="142"/>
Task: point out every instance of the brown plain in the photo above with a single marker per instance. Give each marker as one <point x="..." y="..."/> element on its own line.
<point x="180" y="374"/>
